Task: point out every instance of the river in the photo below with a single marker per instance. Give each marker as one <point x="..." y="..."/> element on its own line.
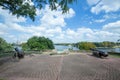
<point x="65" y="47"/>
<point x="110" y="49"/>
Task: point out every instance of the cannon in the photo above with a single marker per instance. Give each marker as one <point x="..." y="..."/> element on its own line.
<point x="19" y="53"/>
<point x="99" y="53"/>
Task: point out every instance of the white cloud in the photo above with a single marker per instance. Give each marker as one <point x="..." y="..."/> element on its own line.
<point x="54" y="18"/>
<point x="111" y="16"/>
<point x="8" y="18"/>
<point x="106" y="6"/>
<point x="112" y="27"/>
<point x="100" y="20"/>
<point x="105" y="18"/>
<point x="85" y="34"/>
<point x="70" y="32"/>
<point x="3" y="29"/>
<point x="51" y="25"/>
<point x="28" y="1"/>
<point x="2" y="33"/>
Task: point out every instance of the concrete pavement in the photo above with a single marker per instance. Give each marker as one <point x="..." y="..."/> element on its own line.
<point x="68" y="67"/>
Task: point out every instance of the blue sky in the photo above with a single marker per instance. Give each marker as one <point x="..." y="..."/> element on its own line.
<point x="87" y="20"/>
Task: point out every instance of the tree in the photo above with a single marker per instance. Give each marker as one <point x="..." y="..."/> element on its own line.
<point x="24" y="46"/>
<point x="27" y="8"/>
<point x="39" y="43"/>
<point x="85" y="45"/>
<point x="4" y="46"/>
<point x="104" y="44"/>
<point x="107" y="44"/>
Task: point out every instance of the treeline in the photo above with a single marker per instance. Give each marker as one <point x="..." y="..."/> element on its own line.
<point x="105" y="44"/>
<point x="42" y="43"/>
<point x="38" y="43"/>
<point x="65" y="44"/>
<point x="88" y="45"/>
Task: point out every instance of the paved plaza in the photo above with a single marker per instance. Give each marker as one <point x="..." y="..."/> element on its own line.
<point x="64" y="67"/>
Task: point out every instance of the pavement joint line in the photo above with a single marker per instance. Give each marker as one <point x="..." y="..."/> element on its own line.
<point x="60" y="69"/>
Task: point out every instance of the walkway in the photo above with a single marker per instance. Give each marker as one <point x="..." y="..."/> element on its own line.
<point x="70" y="67"/>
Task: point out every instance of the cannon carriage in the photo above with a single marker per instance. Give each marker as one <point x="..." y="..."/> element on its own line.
<point x="99" y="53"/>
<point x="19" y="53"/>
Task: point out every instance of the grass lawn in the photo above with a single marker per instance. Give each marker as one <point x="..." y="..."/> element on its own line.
<point x="5" y="54"/>
<point x="113" y="54"/>
<point x="2" y="79"/>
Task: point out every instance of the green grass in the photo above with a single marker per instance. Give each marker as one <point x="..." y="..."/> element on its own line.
<point x="53" y="54"/>
<point x="5" y="54"/>
<point x="32" y="52"/>
<point x="2" y="79"/>
<point x="117" y="56"/>
<point x="113" y="54"/>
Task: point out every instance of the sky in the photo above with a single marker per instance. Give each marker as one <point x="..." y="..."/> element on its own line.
<point x="87" y="20"/>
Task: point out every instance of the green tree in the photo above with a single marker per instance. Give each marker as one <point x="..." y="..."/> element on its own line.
<point x="26" y="9"/>
<point x="24" y="46"/>
<point x="85" y="45"/>
<point x="39" y="43"/>
<point x="108" y="44"/>
<point x="98" y="44"/>
<point x="4" y="46"/>
<point x="104" y="44"/>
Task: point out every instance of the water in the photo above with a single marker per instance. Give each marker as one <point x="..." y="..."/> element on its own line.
<point x="64" y="47"/>
<point x="61" y="48"/>
<point x="110" y="49"/>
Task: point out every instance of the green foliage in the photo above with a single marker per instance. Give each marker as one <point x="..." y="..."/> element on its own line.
<point x="115" y="54"/>
<point x="85" y="45"/>
<point x="22" y="8"/>
<point x="108" y="44"/>
<point x="4" y="46"/>
<point x="2" y="79"/>
<point x="38" y="43"/>
<point x="88" y="45"/>
<point x="24" y="46"/>
<point x="104" y="44"/>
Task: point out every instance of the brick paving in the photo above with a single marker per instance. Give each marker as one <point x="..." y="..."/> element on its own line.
<point x="68" y="67"/>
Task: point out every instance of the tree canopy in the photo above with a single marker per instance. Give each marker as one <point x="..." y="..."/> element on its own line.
<point x="88" y="45"/>
<point x="105" y="44"/>
<point x="38" y="43"/>
<point x="4" y="46"/>
<point x="27" y="8"/>
<point x="85" y="45"/>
